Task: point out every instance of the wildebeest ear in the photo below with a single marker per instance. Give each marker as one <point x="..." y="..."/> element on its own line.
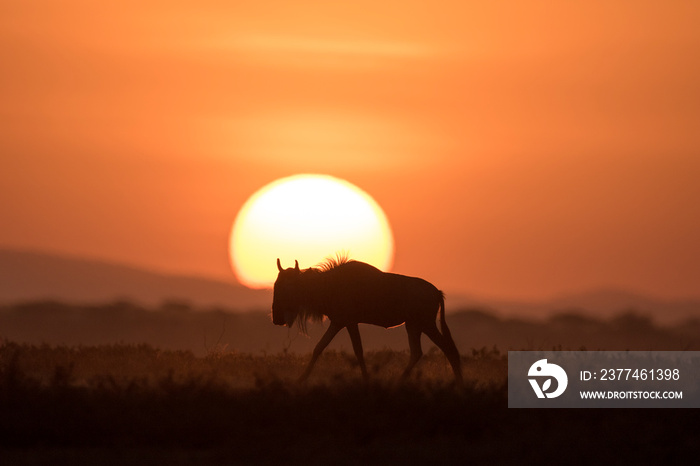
<point x="279" y="266"/>
<point x="296" y="265"/>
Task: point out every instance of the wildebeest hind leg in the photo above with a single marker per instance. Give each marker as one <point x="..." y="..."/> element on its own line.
<point x="357" y="347"/>
<point x="332" y="331"/>
<point x="448" y="347"/>
<point x="414" y="346"/>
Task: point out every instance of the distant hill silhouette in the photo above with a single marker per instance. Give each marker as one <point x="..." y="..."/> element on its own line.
<point x="602" y="303"/>
<point x="30" y="276"/>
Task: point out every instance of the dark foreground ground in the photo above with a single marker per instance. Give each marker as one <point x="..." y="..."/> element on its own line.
<point x="129" y="404"/>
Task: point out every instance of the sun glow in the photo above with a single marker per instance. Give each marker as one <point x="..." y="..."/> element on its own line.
<point x="307" y="218"/>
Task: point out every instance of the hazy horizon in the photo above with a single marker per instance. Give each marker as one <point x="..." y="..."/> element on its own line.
<point x="202" y="292"/>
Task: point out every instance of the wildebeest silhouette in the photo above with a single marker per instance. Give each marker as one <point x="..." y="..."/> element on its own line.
<point x="350" y="292"/>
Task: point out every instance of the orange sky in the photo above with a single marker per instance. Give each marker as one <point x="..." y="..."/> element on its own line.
<point x="519" y="149"/>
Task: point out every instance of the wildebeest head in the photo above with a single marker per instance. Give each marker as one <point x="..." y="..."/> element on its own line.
<point x="286" y="301"/>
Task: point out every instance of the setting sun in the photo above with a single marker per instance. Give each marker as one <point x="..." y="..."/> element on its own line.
<point x="307" y="218"/>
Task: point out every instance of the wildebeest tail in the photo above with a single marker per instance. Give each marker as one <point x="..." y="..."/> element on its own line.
<point x="443" y="324"/>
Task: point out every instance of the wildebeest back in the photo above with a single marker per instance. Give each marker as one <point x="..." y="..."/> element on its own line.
<point x="379" y="298"/>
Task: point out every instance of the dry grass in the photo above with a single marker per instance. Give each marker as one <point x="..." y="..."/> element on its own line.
<point x="86" y="365"/>
<point x="135" y="404"/>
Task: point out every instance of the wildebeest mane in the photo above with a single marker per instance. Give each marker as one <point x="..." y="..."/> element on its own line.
<point x="332" y="262"/>
<point x="313" y="278"/>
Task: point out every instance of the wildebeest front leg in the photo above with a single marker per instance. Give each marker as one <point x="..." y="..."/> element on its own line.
<point x="357" y="346"/>
<point x="332" y="331"/>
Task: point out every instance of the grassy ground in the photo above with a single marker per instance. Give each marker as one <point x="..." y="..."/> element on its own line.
<point x="135" y="404"/>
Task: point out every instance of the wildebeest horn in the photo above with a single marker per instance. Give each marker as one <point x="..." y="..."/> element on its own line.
<point x="279" y="266"/>
<point x="296" y="265"/>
